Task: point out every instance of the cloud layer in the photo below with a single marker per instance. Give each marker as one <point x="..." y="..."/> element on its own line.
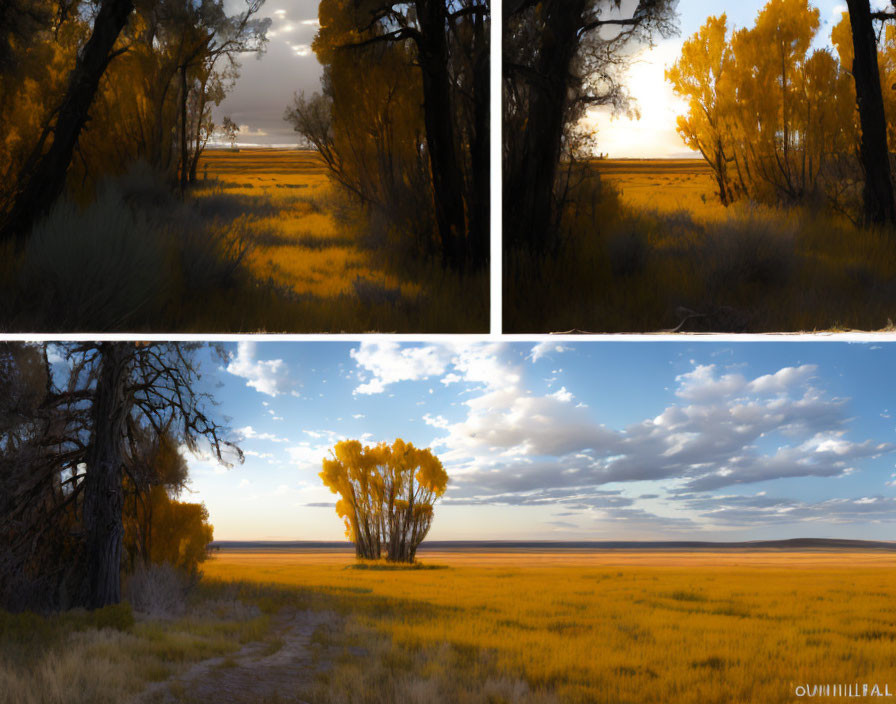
<point x="728" y="430"/>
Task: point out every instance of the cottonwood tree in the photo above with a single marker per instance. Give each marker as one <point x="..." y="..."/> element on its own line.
<point x="387" y="494"/>
<point x="772" y="118"/>
<point x="436" y="47"/>
<point x="146" y="75"/>
<point x="208" y="35"/>
<point x="230" y="130"/>
<point x="560" y="58"/>
<point x="44" y="434"/>
<point x="157" y="527"/>
<point x="698" y="77"/>
<point x="152" y="384"/>
<point x="79" y="457"/>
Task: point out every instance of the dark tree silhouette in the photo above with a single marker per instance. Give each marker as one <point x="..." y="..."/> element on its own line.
<point x="877" y="193"/>
<point x="452" y="86"/>
<point x="557" y="63"/>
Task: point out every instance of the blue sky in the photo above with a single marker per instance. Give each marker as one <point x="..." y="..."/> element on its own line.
<point x="569" y="440"/>
<point x="654" y="135"/>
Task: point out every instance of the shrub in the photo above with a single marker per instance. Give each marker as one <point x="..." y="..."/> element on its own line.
<point x="93" y="269"/>
<point x="628" y="249"/>
<point x="749" y="250"/>
<point x="145" y="189"/>
<point x="211" y="255"/>
<point x="159" y="591"/>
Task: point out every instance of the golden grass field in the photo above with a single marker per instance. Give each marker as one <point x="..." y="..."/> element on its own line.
<point x="648" y="247"/>
<point x="665" y="627"/>
<point x="308" y="242"/>
<point x="665" y="185"/>
<point x="304" y="246"/>
<point x="509" y="627"/>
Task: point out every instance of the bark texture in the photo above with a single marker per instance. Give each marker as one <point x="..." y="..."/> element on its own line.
<point x="103" y="490"/>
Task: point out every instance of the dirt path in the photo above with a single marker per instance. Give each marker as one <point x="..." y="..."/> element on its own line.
<point x="278" y="667"/>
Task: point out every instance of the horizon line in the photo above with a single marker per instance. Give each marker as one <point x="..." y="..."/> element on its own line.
<point x="580" y="544"/>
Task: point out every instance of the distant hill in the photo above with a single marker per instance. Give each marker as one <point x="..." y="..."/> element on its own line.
<point x="479" y="545"/>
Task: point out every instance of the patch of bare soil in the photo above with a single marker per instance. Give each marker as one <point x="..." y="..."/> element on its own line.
<point x="276" y="669"/>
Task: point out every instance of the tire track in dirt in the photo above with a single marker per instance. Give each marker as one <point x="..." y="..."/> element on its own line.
<point x="254" y="673"/>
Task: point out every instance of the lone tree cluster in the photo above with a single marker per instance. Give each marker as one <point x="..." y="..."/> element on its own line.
<point x="387" y="496"/>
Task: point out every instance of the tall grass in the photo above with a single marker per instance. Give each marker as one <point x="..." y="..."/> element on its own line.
<point x="630" y="261"/>
<point x="663" y="628"/>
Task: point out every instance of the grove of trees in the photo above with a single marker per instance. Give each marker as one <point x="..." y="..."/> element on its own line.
<point x="779" y="122"/>
<point x="402" y="120"/>
<point x="90" y="466"/>
<point x="387" y="494"/>
<point x="89" y="87"/>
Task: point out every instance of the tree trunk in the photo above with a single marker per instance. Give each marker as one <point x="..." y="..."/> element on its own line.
<point x="447" y="182"/>
<point x="877" y="193"/>
<point x="43" y="177"/>
<point x="197" y="135"/>
<point x="102" y="490"/>
<point x="528" y="202"/>
<point x="184" y="156"/>
<point x="722" y="174"/>
<point x="480" y="152"/>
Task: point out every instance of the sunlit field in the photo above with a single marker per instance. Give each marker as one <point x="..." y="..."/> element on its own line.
<point x="312" y="243"/>
<point x="646" y="246"/>
<point x="263" y="242"/>
<point x="605" y="627"/>
<point x="522" y="626"/>
<point x="665" y="186"/>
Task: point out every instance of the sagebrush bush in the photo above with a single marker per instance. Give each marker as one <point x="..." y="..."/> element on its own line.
<point x="99" y="268"/>
<point x="749" y="250"/>
<point x="211" y="255"/>
<point x="145" y="189"/>
<point x="159" y="591"/>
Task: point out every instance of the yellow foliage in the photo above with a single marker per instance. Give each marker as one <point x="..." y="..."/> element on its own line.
<point x="168" y="531"/>
<point x="773" y="120"/>
<point x="387" y="495"/>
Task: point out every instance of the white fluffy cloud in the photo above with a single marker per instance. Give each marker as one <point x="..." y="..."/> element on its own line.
<point x="386" y="363"/>
<point x="269" y="377"/>
<point x="249" y="433"/>
<point x="389" y="363"/>
<point x="546" y="349"/>
<point x="729" y="430"/>
<point x="702" y="384"/>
